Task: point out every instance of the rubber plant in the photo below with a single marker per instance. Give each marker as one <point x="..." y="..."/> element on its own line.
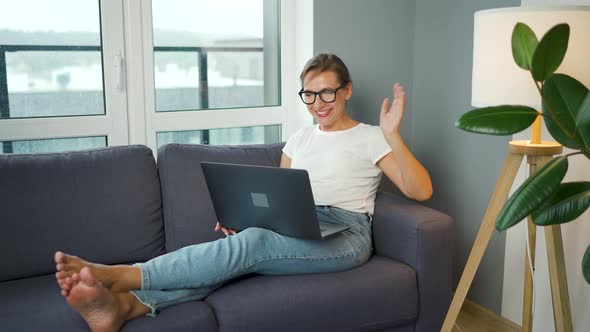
<point x="566" y="111"/>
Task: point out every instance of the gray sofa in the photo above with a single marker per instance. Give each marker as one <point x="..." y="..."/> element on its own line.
<point x="115" y="206"/>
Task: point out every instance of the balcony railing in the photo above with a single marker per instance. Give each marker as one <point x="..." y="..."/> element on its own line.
<point x="202" y="56"/>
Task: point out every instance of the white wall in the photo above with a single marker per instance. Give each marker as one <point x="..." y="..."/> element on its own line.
<point x="576" y="237"/>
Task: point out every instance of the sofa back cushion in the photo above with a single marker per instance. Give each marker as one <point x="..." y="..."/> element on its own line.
<point x="103" y="205"/>
<point x="188" y="212"/>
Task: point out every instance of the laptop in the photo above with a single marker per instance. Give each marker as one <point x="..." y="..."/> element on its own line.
<point x="279" y="199"/>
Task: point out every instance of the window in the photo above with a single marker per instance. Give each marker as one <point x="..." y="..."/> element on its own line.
<point x="54" y="82"/>
<point x="50" y="67"/>
<point x="87" y="73"/>
<point x="216" y="54"/>
<point x="213" y="69"/>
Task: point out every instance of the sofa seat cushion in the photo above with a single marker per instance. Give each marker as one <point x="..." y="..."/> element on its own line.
<point x="378" y="295"/>
<point x="35" y="304"/>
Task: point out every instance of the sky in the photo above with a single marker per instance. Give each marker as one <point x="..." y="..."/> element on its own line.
<point x="206" y="16"/>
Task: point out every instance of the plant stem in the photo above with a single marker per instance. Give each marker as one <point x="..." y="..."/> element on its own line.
<point x="538" y="88"/>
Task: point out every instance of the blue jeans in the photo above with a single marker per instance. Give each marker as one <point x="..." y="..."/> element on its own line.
<point x="193" y="272"/>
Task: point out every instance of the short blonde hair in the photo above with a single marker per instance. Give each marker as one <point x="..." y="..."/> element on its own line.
<point x="326" y="62"/>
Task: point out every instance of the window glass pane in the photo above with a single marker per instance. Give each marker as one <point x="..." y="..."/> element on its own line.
<point x="177" y="81"/>
<point x="50" y="60"/>
<point x="52" y="145"/>
<point x="216" y="54"/>
<point x="224" y="136"/>
<point x="239" y="77"/>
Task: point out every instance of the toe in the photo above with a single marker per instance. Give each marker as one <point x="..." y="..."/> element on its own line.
<point x="64" y="286"/>
<point x="60" y="257"/>
<point x="87" y="277"/>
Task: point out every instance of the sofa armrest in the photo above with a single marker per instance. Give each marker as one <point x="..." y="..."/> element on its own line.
<point x="421" y="237"/>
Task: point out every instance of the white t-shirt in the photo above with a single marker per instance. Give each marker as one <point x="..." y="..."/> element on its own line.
<point x="341" y="164"/>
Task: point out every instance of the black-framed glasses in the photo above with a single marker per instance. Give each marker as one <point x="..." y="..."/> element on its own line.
<point x="326" y="95"/>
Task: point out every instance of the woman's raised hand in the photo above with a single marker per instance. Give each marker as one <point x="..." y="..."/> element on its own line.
<point x="226" y="231"/>
<point x="391" y="118"/>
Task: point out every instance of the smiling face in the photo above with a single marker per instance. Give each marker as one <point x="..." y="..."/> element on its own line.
<point x="330" y="116"/>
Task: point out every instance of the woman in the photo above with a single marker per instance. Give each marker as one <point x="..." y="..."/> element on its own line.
<point x="345" y="160"/>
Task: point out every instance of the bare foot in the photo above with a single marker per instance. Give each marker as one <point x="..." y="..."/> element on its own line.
<point x="67" y="266"/>
<point x="101" y="309"/>
<point x="117" y="278"/>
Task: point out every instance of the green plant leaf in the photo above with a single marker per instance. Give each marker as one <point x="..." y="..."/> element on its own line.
<point x="498" y="120"/>
<point x="583" y="118"/>
<point x="586" y="265"/>
<point x="524" y="43"/>
<point x="550" y="52"/>
<point x="532" y="193"/>
<point x="563" y="99"/>
<point x="567" y="204"/>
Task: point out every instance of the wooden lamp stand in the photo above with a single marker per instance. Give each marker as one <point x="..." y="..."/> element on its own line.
<point x="538" y="154"/>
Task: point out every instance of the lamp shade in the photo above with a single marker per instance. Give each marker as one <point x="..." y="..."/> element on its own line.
<point x="496" y="79"/>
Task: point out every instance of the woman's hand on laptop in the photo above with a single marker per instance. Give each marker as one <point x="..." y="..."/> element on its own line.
<point x="226" y="231"/>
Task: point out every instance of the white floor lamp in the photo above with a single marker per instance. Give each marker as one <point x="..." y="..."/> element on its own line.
<point x="497" y="80"/>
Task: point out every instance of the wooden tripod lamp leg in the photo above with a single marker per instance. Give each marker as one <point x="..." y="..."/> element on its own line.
<point x="558" y="279"/>
<point x="557" y="275"/>
<point x="505" y="181"/>
<point x="536" y="162"/>
<point x="527" y="303"/>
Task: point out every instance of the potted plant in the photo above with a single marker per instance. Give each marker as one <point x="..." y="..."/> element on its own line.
<point x="566" y="111"/>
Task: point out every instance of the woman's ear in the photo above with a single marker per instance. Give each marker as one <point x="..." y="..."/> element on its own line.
<point x="348" y="89"/>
